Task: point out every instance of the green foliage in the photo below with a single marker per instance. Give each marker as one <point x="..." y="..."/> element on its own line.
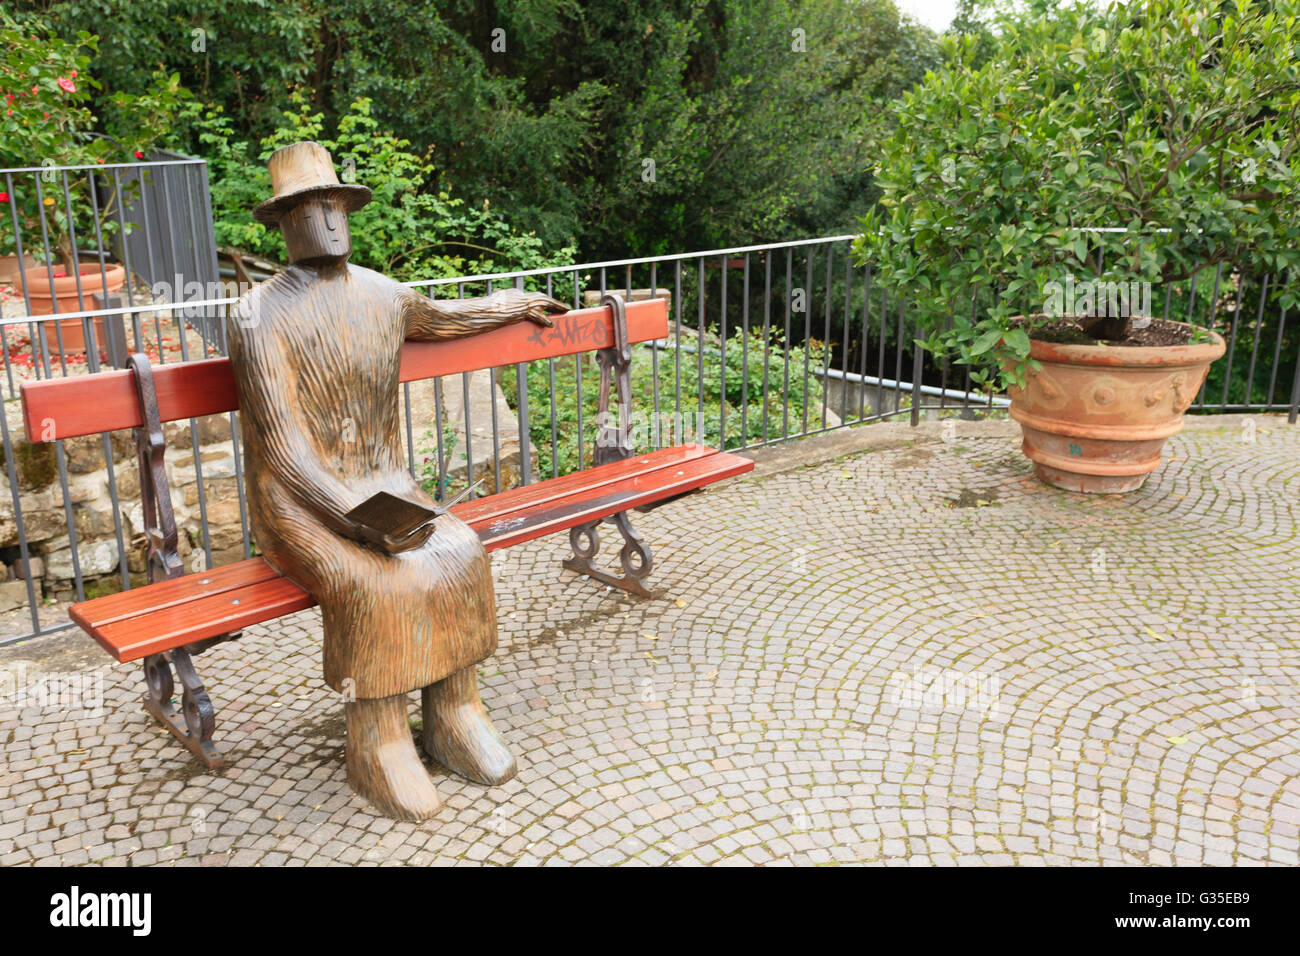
<point x="46" y="94"/>
<point x="244" y="55"/>
<point x="548" y="109"/>
<point x="427" y="469"/>
<point x="574" y="448"/>
<point x="1167" y="114"/>
<point x="406" y="230"/>
<point x="760" y="118"/>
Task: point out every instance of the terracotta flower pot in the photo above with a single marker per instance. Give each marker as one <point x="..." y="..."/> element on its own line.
<point x="11" y="268"/>
<point x="63" y="298"/>
<point x="1095" y="417"/>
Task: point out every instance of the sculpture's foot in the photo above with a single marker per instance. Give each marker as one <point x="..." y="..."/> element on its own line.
<point x="458" y="733"/>
<point x="383" y="764"/>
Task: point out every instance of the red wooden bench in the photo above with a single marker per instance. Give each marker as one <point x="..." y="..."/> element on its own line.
<point x="178" y="615"/>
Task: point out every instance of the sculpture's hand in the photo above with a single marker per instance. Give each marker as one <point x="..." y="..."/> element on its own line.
<point x="432" y="320"/>
<point x="537" y="307"/>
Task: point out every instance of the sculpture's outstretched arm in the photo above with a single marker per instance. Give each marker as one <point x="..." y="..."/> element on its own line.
<point x="433" y="319"/>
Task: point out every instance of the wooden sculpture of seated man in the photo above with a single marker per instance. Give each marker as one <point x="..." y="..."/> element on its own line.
<point x="316" y="353"/>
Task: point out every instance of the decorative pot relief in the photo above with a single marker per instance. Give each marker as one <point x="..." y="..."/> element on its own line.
<point x="1175" y="386"/>
<point x="1044" y="391"/>
<point x="1101" y="397"/>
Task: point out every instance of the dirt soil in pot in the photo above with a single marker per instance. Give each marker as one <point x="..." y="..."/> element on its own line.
<point x="1159" y="333"/>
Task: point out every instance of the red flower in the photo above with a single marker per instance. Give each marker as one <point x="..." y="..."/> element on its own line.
<point x="139" y="155"/>
<point x="4" y="197"/>
<point x="67" y="85"/>
<point x="74" y="74"/>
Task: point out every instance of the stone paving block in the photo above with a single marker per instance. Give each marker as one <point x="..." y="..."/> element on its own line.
<point x="853" y="664"/>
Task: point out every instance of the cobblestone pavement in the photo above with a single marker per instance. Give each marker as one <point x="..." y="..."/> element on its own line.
<point x="905" y="656"/>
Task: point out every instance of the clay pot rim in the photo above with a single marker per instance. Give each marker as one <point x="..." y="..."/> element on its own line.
<point x="1144" y="356"/>
<point x="39" y="278"/>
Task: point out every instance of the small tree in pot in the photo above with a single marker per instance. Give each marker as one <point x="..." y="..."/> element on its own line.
<point x="46" y="120"/>
<point x="1179" y="121"/>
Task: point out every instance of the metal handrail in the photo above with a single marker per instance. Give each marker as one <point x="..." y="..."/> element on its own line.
<point x="191" y="161"/>
<point x="483" y="276"/>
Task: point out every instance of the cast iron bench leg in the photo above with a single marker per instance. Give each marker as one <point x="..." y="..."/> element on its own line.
<point x="198" y="718"/>
<point x="193" y="726"/>
<point x="636" y="557"/>
<point x="614" y="443"/>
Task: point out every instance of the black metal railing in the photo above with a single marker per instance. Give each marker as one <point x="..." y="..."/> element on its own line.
<point x="766" y="344"/>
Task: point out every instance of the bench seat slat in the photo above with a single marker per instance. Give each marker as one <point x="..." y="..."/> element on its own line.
<point x="560" y="514"/>
<point x="103" y="611"/>
<point x="482" y="510"/>
<point x="158" y="617"/>
<point x="132" y="638"/>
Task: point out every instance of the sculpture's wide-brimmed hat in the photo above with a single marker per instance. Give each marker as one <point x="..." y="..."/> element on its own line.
<point x="304" y="171"/>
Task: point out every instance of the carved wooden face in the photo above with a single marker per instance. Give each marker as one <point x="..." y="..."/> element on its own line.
<point x="316" y="232"/>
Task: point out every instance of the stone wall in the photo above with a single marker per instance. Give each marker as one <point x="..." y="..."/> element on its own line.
<point x="45" y="517"/>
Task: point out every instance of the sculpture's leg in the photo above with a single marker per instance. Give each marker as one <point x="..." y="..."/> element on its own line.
<point x="458" y="733"/>
<point x="383" y="764"/>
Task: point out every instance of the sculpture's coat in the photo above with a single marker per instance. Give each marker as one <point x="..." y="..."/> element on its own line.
<point x="316" y="356"/>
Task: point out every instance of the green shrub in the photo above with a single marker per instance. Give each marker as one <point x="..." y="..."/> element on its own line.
<point x="746" y="411"/>
<point x="408" y="230"/>
<point x="1174" y="118"/>
<point x="49" y="116"/>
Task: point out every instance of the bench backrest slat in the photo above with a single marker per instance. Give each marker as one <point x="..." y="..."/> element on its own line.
<point x="105" y="401"/>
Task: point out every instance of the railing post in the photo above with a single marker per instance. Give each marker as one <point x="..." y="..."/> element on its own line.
<point x="115" y="344"/>
<point x="917" y="364"/>
<point x="521" y="389"/>
<point x="1294" y="411"/>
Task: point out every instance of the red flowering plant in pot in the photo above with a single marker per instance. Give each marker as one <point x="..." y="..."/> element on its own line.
<point x="1178" y="120"/>
<point x="54" y="201"/>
